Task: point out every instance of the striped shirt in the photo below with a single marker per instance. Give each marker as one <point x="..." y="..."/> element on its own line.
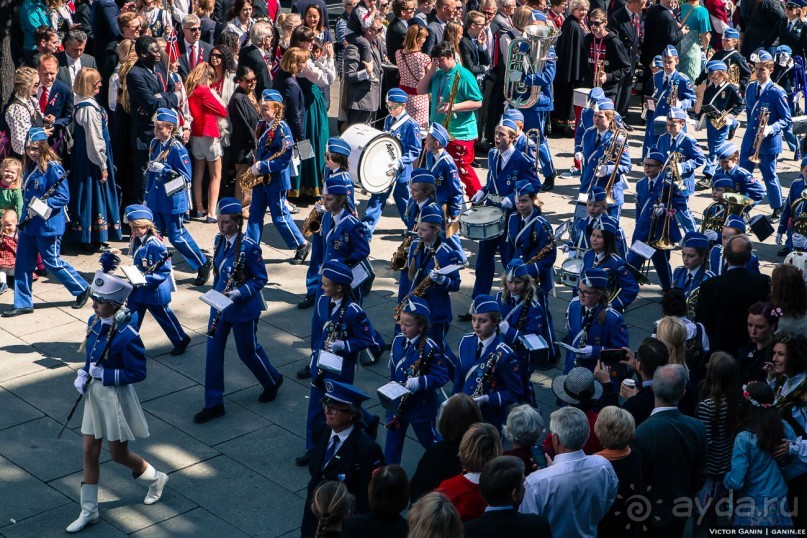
<point x="718" y="437"/>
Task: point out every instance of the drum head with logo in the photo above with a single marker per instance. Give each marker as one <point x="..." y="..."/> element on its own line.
<point x="371" y="154"/>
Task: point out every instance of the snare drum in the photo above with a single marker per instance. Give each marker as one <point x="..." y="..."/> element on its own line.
<point x="482" y="222"/>
<point x="569" y="272"/>
<point x="372" y="152"/>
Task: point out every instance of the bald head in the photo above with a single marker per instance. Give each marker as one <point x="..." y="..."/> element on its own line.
<point x="669" y="384"/>
<point x="738" y="251"/>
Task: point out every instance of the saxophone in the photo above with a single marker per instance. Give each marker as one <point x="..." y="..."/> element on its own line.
<point x="398" y="261"/>
<point x="419" y="291"/>
<point x="232" y="282"/>
<point x="313" y="222"/>
<point x="583" y="337"/>
<point x="800" y="222"/>
<point x="249" y="180"/>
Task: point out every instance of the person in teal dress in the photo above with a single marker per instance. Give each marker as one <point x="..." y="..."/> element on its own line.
<point x="693" y="46"/>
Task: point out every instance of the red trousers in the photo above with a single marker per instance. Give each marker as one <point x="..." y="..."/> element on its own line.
<point x="462" y="151"/>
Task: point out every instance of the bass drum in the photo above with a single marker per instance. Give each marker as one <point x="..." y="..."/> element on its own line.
<point x="372" y="152"/>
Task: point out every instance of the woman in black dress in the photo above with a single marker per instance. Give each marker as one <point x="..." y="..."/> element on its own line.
<point x="242" y="110"/>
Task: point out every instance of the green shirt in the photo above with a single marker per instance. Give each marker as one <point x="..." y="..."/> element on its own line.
<point x="462" y="125"/>
<point x="11" y="199"/>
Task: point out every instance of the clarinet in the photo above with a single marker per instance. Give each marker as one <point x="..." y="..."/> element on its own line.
<point x="490" y="370"/>
<point x="48" y="193"/>
<point x="333" y="329"/>
<point x="157" y="265"/>
<point x="584" y="337"/>
<point x="421" y="367"/>
<point x="231" y="282"/>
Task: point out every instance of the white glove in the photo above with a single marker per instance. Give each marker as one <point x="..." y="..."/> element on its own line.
<point x="659" y="211"/>
<point x="504" y="326"/>
<point x="585" y="351"/>
<point x="337" y="346"/>
<point x="234" y="294"/>
<point x="711" y="235"/>
<point x="578" y="156"/>
<point x="81" y="381"/>
<point x="506" y="203"/>
<point x="477" y="197"/>
<point x="602" y="171"/>
<point x="677" y="103"/>
<point x="515" y="76"/>
<point x="436" y="277"/>
<point x="767" y="132"/>
<point x="778" y="239"/>
<point x="154" y="166"/>
<point x="413" y="384"/>
<point x="256" y="168"/>
<point x="96" y="370"/>
<point x="319" y="208"/>
<point x="481" y="400"/>
<point x="799" y="241"/>
<point x="680" y="169"/>
<point x="565" y="248"/>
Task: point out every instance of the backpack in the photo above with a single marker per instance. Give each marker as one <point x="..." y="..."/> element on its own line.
<point x="694" y="353"/>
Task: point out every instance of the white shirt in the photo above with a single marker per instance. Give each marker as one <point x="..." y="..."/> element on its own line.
<point x="486" y="342"/>
<point x="343" y="435"/>
<point x="73" y="67"/>
<point x="662" y="409"/>
<point x="506" y="154"/>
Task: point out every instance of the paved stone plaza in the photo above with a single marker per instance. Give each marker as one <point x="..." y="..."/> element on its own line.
<point x="235" y="475"/>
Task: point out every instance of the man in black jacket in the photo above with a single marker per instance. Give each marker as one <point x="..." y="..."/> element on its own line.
<point x="192" y="50"/>
<point x="626" y="22"/>
<point x="474" y="48"/>
<point x="660" y="29"/>
<point x="605" y="48"/>
<point x="257" y="56"/>
<point x="403" y="10"/>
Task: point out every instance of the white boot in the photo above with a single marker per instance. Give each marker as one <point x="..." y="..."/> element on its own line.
<point x="89" y="508"/>
<point x="157" y="482"/>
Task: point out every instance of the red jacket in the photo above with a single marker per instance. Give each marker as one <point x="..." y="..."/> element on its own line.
<point x="8" y="250"/>
<point x="205" y="109"/>
<point x="465" y="497"/>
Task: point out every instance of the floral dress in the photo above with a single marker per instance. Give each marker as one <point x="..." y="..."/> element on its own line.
<point x="412" y="68"/>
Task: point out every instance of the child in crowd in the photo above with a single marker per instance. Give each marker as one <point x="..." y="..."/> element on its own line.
<point x="8" y="247"/>
<point x="10" y="188"/>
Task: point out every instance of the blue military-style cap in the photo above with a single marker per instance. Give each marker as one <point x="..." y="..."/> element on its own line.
<point x="656" y="155"/>
<point x="596" y="94"/>
<point x="735" y="221"/>
<point x="439" y="133"/>
<point x="726" y="150"/>
<point x="596" y="194"/>
<point x="538" y="15"/>
<point x="510" y="124"/>
<point x="513" y="114"/>
<point x="336" y="186"/>
<point x="797" y="3"/>
<point x="338" y="272"/>
<point x="107" y="287"/>
<point x="677" y="114"/>
<point x="695" y="240"/>
<point x="273" y="96"/>
<point x="433" y="214"/>
<point x="716" y="65"/>
<point x="731" y="33"/>
<point x="784" y="48"/>
<point x="657" y="61"/>
<point x="167" y="115"/>
<point x="594" y="277"/>
<point x="343" y="393"/>
<point x="397" y="95"/>
<point x="136" y="212"/>
<point x="606" y="104"/>
<point x="36" y="134"/>
<point x="764" y="56"/>
<point x="804" y="162"/>
<point x="669" y="51"/>
<point x="338" y="146"/>
<point x="607" y="224"/>
<point x="517" y="269"/>
<point x="722" y="180"/>
<point x="230" y="206"/>
<point x="484" y="304"/>
<point x="524" y="187"/>
<point x="421" y="175"/>
<point x="417" y="306"/>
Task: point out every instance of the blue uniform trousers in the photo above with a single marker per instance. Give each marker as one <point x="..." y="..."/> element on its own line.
<point x="49" y="247"/>
<point x="661" y="262"/>
<point x="535" y="119"/>
<point x="768" y="169"/>
<point x="377" y="203"/>
<point x="393" y="447"/>
<point x="249" y="351"/>
<point x="486" y="263"/>
<point x="164" y="316"/>
<point x="171" y="226"/>
<point x="788" y="135"/>
<point x="714" y="139"/>
<point x="312" y="280"/>
<point x="276" y="202"/>
<point x="686" y="219"/>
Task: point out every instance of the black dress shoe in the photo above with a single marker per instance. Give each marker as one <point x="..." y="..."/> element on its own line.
<point x="304" y="372"/>
<point x="208" y="413"/>
<point x="776" y="215"/>
<point x="306" y="303"/>
<point x="549" y="184"/>
<point x="303" y="460"/>
<point x="18" y="312"/>
<point x="181" y="347"/>
<point x="627" y="127"/>
<point x="203" y="275"/>
<point x="269" y="395"/>
<point x="784" y="251"/>
<point x="302" y="253"/>
<point x="81" y="299"/>
<point x="464" y="317"/>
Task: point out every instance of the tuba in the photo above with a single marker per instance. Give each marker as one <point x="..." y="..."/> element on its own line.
<point x="736" y="204"/>
<point x="734" y="74"/>
<point x="527" y="55"/>
<point x="800" y="219"/>
<point x="619" y="141"/>
<point x="715" y="219"/>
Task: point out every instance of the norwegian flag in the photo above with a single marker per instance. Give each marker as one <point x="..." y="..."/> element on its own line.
<point x="171" y="47"/>
<point x="71" y="7"/>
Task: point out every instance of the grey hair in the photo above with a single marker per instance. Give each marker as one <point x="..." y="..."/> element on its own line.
<point x="259" y="32"/>
<point x="75" y="36"/>
<point x="524" y="425"/>
<point x="669" y="383"/>
<point x="191" y="20"/>
<point x="571" y="426"/>
<point x="578" y="4"/>
<point x="501" y="3"/>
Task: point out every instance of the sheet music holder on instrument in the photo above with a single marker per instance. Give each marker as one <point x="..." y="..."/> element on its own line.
<point x="216" y="299"/>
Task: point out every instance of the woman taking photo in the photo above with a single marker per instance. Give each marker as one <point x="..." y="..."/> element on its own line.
<point x="243" y="113"/>
<point x="205" y="143"/>
<point x="240" y="20"/>
<point x="763" y="320"/>
<point x="412" y="67"/>
<point x="94" y="211"/>
<point x="789" y="296"/>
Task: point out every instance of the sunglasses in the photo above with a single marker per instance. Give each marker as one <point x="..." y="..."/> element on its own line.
<point x="596" y="23"/>
<point x="216" y="55"/>
<point x="250" y="80"/>
<point x="195" y="29"/>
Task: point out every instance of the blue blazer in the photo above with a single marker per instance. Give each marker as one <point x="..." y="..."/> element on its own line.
<point x="275" y="142"/>
<point x="646" y="199"/>
<point x="773" y="98"/>
<point x="517" y="168"/>
<point x="125" y="362"/>
<point x="177" y="160"/>
<point x="421" y="405"/>
<point x="157" y="290"/>
<point x="249" y="305"/>
<point x="60" y="104"/>
<point x="691" y="157"/>
<point x="680" y="278"/>
<point x="612" y="334"/>
<point x="447" y="186"/>
<point x="347" y="242"/>
<point x="593" y="152"/>
<point x="626" y="281"/>
<point x="718" y="264"/>
<point x="413" y="212"/>
<point x="437" y="295"/>
<point x="686" y="94"/>
<point x="746" y="184"/>
<point x="148" y="91"/>
<point x="407" y="131"/>
<point x="544" y="81"/>
<point x="534" y="323"/>
<point x="796" y="189"/>
<point x="587" y="122"/>
<point x="534" y="236"/>
<point x="35" y="184"/>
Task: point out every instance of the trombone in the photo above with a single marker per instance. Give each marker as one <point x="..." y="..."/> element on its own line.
<point x="663" y="209"/>
<point x="619" y="141"/>
<point x="764" y="114"/>
<point x="534" y="136"/>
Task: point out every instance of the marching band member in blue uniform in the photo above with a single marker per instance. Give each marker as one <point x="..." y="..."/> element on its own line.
<point x="43" y="236"/>
<point x="273" y="157"/>
<point x="665" y="82"/>
<point x="416" y="362"/>
<point x="592" y="324"/>
<point x="240" y="274"/>
<point x="795" y="207"/>
<point x="743" y="181"/>
<point x="421" y="187"/>
<point x="695" y="270"/>
<point x="784" y="75"/>
<point x="596" y="142"/>
<point x="488" y="369"/>
<point x="657" y="201"/>
<point x="522" y="143"/>
<point x="115" y="361"/>
<point x="403" y="127"/>
<point x="730" y="56"/>
<point x="341" y="328"/>
<point x="506" y="167"/>
<point x="690" y="158"/>
<point x="717" y="262"/>
<point x="722" y="184"/>
<point x="719" y="98"/>
<point x="151" y="258"/>
<point x="580" y="231"/>
<point x="337" y="169"/>
<point x="447" y="186"/>
<point x="345" y="239"/>
<point x="168" y="161"/>
<point x="586" y="122"/>
<point x="530" y="234"/>
<point x="522" y="315"/>
<point x="603" y="255"/>
<point x="765" y="96"/>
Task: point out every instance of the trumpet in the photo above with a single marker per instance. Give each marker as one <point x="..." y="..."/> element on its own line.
<point x="619" y="141"/>
<point x="599" y="69"/>
<point x="718" y="122"/>
<point x="672" y="97"/>
<point x="764" y="114"/>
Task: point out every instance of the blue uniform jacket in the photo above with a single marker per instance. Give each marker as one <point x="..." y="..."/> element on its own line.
<point x="690" y="157"/>
<point x="612" y="334"/>
<point x="505" y="386"/>
<point x="587" y="122"/>
<point x="526" y="147"/>
<point x="407" y="131"/>
<point x="544" y="80"/>
<point x="437" y="295"/>
<point x="157" y="290"/>
<point x="686" y="93"/>
<point x="176" y="160"/>
<point x="680" y="278"/>
<point x="527" y="242"/>
<point x="788" y="217"/>
<point x="646" y="199"/>
<point x="276" y="142"/>
<point x="516" y="168"/>
<point x="535" y="323"/>
<point x="773" y="98"/>
<point x="355" y="330"/>
<point x="627" y="282"/>
<point x="125" y="362"/>
<point x="249" y="305"/>
<point x="347" y="242"/>
<point x="581" y="232"/>
<point x="746" y="184"/>
<point x="593" y="153"/>
<point x="421" y="406"/>
<point x="717" y="264"/>
<point x="447" y="186"/>
<point x="344" y="177"/>
<point x="36" y="183"/>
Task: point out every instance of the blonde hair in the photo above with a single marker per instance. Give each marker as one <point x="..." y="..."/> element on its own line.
<point x="152" y="230"/>
<point x="331" y="504"/>
<point x="46" y="154"/>
<point x="86" y="82"/>
<point x="11" y="162"/>
<point x="615" y="427"/>
<point x="432" y="516"/>
<point x="286" y="23"/>
<point x="672" y="332"/>
<point x="453" y="34"/>
<point x="292" y="58"/>
<point x="480" y="444"/>
<point x="528" y="291"/>
<point x="126" y="51"/>
<point x="201" y="75"/>
<point x="522" y="17"/>
<point x="24" y="79"/>
<point x="7" y="214"/>
<point x="414" y="33"/>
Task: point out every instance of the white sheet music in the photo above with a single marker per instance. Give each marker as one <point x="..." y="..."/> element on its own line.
<point x="561" y="230"/>
<point x="330" y="361"/>
<point x="217" y="300"/>
<point x="393" y="390"/>
<point x="305" y="150"/>
<point x="360" y="274"/>
<point x="174" y="186"/>
<point x="533" y="342"/>
<point x="564" y="345"/>
<point x="133" y="274"/>
<point x="40" y="208"/>
<point x="582" y="198"/>
<point x="643" y="249"/>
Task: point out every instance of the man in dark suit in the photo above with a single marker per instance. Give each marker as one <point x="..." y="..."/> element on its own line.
<point x="149" y="88"/>
<point x="105" y="23"/>
<point x="72" y="59"/>
<point x="403" y="10"/>
<point x="474" y="47"/>
<point x="660" y="29"/>
<point x="47" y="42"/>
<point x="257" y="56"/>
<point x="343" y="451"/>
<point x="626" y="22"/>
<point x="673" y="448"/>
<point x="362" y="80"/>
<point x="723" y="301"/>
<point x="55" y="99"/>
<point x="192" y="50"/>
<point x="107" y="53"/>
<point x="445" y="12"/>
<point x="501" y="484"/>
